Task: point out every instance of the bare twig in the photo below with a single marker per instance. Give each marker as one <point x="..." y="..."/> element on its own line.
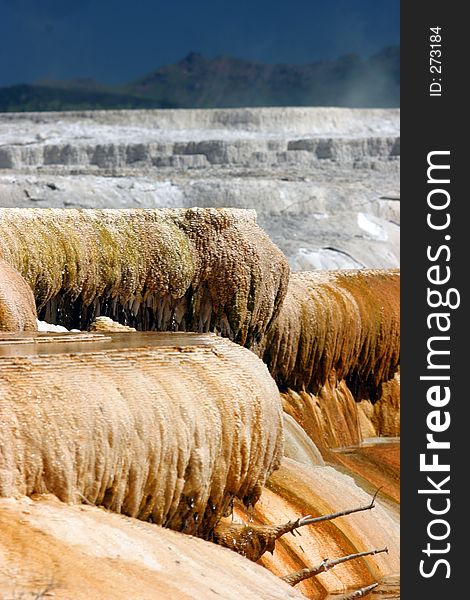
<point x="253" y="541"/>
<point x="292" y="526"/>
<point x="360" y="593"/>
<point x="309" y="520"/>
<point x="325" y="565"/>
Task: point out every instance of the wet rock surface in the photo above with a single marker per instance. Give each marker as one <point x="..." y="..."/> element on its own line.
<point x="334" y="351"/>
<point x="345" y="323"/>
<point x="330" y="339"/>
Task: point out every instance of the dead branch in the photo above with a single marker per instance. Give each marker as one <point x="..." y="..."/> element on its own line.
<point x="309" y="520"/>
<point x="253" y="541"/>
<point x="360" y="593"/>
<point x="325" y="565"/>
<point x="292" y="526"/>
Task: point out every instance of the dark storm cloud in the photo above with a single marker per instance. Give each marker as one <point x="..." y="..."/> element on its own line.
<point x="51" y="9"/>
<point x="118" y="40"/>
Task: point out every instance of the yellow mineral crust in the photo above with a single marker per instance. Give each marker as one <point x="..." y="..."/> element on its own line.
<point x="331" y="418"/>
<point x="17" y="307"/>
<point x="156" y="269"/>
<point x="168" y="433"/>
<point x="343" y="324"/>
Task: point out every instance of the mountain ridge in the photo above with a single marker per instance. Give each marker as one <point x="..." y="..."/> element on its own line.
<point x="226" y="82"/>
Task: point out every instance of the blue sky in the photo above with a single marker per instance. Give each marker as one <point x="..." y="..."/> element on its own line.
<point x="115" y="41"/>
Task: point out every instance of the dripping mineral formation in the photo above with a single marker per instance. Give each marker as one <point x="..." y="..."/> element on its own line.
<point x="331" y="344"/>
<point x="91" y="421"/>
<point x="169" y="269"/>
<point x="335" y="343"/>
<point x="161" y="432"/>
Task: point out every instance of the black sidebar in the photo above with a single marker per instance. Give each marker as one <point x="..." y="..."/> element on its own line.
<point x="435" y="439"/>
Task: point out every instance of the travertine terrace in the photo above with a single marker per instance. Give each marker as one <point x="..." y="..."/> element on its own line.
<point x="110" y="436"/>
<point x="51" y="549"/>
<point x="324" y="181"/>
<point x="164" y="269"/>
<point x="330" y="343"/>
<point x="156" y="432"/>
<point x="334" y="350"/>
<point x="346" y="322"/>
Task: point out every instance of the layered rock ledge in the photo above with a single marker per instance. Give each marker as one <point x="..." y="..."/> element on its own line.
<point x="168" y="428"/>
<point x="324" y="181"/>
